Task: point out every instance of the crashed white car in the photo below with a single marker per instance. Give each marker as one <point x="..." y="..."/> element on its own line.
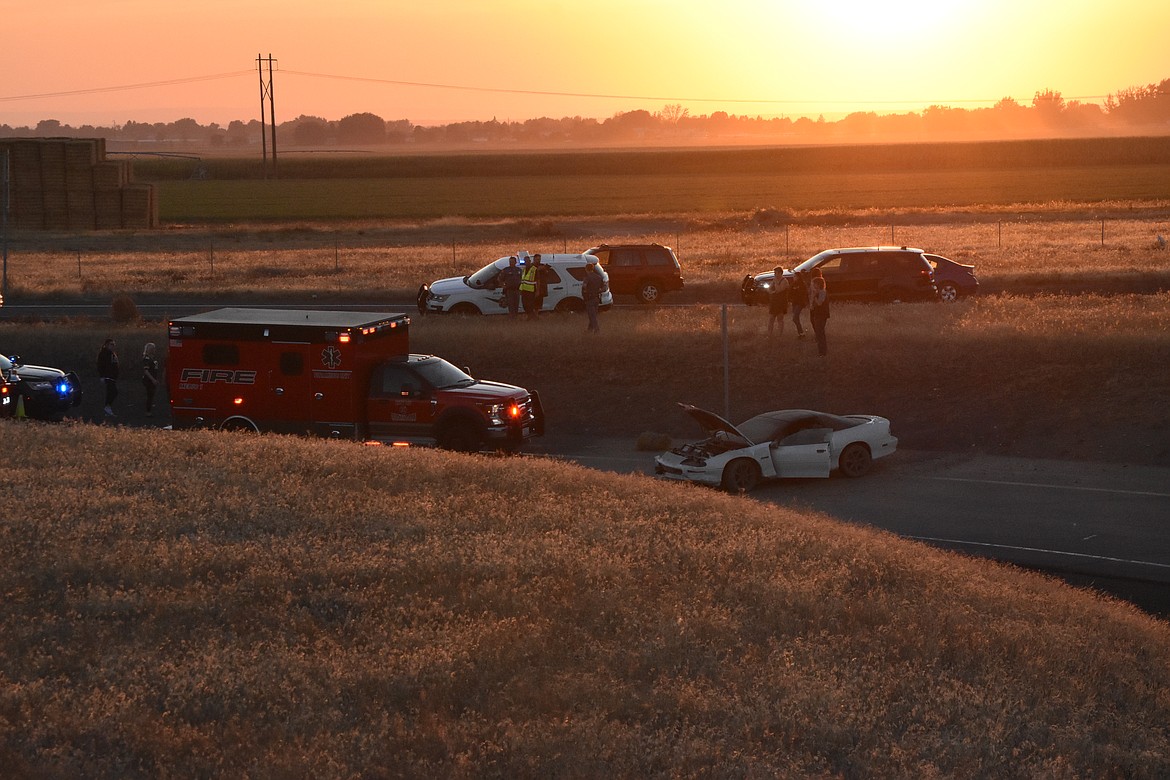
<point x="788" y="443"/>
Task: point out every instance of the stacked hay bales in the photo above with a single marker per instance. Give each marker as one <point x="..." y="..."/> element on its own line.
<point x="68" y="184"/>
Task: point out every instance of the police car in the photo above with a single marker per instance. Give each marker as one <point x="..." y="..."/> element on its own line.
<point x="482" y="292"/>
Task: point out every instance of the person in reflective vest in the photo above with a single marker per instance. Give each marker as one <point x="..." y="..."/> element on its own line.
<point x="528" y="289"/>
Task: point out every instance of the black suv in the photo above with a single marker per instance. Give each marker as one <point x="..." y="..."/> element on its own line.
<point x="645" y="271"/>
<point x="38" y="392"/>
<point x="882" y="273"/>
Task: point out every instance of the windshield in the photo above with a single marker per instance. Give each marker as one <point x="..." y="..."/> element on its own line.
<point x="814" y="261"/>
<point x="439" y="374"/>
<point x="486" y="276"/>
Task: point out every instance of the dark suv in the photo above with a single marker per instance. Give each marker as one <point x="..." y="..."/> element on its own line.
<point x="645" y="271"/>
<point x="882" y="273"/>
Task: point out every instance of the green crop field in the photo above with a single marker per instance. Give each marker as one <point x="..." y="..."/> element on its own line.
<point x="518" y="185"/>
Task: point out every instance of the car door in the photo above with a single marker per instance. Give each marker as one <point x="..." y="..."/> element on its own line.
<point x="803" y="454"/>
<point x="400" y="405"/>
<point x="838" y="282"/>
<point x="557" y="288"/>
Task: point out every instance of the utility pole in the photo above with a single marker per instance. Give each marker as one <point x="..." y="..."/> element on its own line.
<point x="266" y="92"/>
<point x="4" y="207"/>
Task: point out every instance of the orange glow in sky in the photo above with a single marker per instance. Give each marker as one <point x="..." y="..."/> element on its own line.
<point x="435" y="61"/>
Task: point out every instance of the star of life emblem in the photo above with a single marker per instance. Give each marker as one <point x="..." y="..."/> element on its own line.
<point x="331" y="357"/>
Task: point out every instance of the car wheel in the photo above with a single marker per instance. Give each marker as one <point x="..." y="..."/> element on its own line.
<point x="948" y="292"/>
<point x="649" y="292"/>
<point x="465" y="310"/>
<point x="855" y="460"/>
<point x="741" y="476"/>
<point x="570" y="305"/>
<point x="239" y="424"/>
<point x="460" y="437"/>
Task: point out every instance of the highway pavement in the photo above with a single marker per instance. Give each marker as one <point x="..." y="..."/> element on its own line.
<point x="1100" y="525"/>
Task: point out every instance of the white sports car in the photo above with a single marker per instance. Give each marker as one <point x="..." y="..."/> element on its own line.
<point x="788" y="443"/>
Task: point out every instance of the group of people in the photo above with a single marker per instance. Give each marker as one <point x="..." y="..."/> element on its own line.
<point x="527" y="287"/>
<point x="109" y="371"/>
<point x="804" y="290"/>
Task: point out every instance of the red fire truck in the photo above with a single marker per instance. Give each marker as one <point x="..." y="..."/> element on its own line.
<point x="346" y="375"/>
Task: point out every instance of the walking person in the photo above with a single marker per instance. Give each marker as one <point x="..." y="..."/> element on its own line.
<point x="510" y="279"/>
<point x="798" y="297"/>
<point x="591" y="289"/>
<point x="528" y="289"/>
<point x="150" y="377"/>
<point x="777" y="301"/>
<point x="818" y="313"/>
<point x="107" y="365"/>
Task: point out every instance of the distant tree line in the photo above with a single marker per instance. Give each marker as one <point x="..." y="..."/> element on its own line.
<point x="1132" y="111"/>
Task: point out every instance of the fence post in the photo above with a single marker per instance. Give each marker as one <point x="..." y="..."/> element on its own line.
<point x="211" y="255"/>
<point x="726" y="369"/>
<point x="79" y="263"/>
<point x="1000" y="245"/>
<point x="1102" y="232"/>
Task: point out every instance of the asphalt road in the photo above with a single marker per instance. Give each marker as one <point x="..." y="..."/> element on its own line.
<point x="1105" y="526"/>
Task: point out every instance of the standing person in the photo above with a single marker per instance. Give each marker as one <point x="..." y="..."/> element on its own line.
<point x="149" y="375"/>
<point x="510" y="279"/>
<point x="591" y="291"/>
<point x="528" y="289"/>
<point x="777" y="301"/>
<point x="798" y="297"/>
<point x="818" y="313"/>
<point x="107" y="365"/>
<point x="542" y="272"/>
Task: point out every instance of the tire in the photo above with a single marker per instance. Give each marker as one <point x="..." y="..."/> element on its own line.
<point x="649" y="291"/>
<point x="465" y="309"/>
<point x="239" y="424"/>
<point x="460" y="436"/>
<point x="572" y="305"/>
<point x="741" y="476"/>
<point x="948" y="292"/>
<point x="855" y="460"/>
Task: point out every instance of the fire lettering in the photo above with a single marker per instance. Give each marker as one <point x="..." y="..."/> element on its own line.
<point x="209" y="376"/>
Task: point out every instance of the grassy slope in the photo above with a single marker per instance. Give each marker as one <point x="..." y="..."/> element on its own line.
<point x="186" y="605"/>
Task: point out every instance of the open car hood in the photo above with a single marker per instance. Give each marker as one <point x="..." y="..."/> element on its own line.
<point x="713" y="424"/>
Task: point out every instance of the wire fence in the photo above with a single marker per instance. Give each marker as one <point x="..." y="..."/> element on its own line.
<point x="388" y="259"/>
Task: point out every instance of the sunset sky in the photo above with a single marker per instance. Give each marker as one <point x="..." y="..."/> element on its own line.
<point x="437" y="61"/>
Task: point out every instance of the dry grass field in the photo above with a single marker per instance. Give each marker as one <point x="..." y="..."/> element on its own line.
<point x="1048" y="250"/>
<point x="181" y="605"/>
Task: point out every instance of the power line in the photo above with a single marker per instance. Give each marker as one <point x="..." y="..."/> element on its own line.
<point x="532" y="92"/>
<point x="677" y="99"/>
<point x="126" y="87"/>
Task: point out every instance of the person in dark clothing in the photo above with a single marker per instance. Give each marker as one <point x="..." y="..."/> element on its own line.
<point x="542" y="278"/>
<point x="107" y="365"/>
<point x="510" y="279"/>
<point x="777" y="301"/>
<point x="818" y="313"/>
<point x="591" y="290"/>
<point x="798" y="297"/>
<point x="150" y="376"/>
